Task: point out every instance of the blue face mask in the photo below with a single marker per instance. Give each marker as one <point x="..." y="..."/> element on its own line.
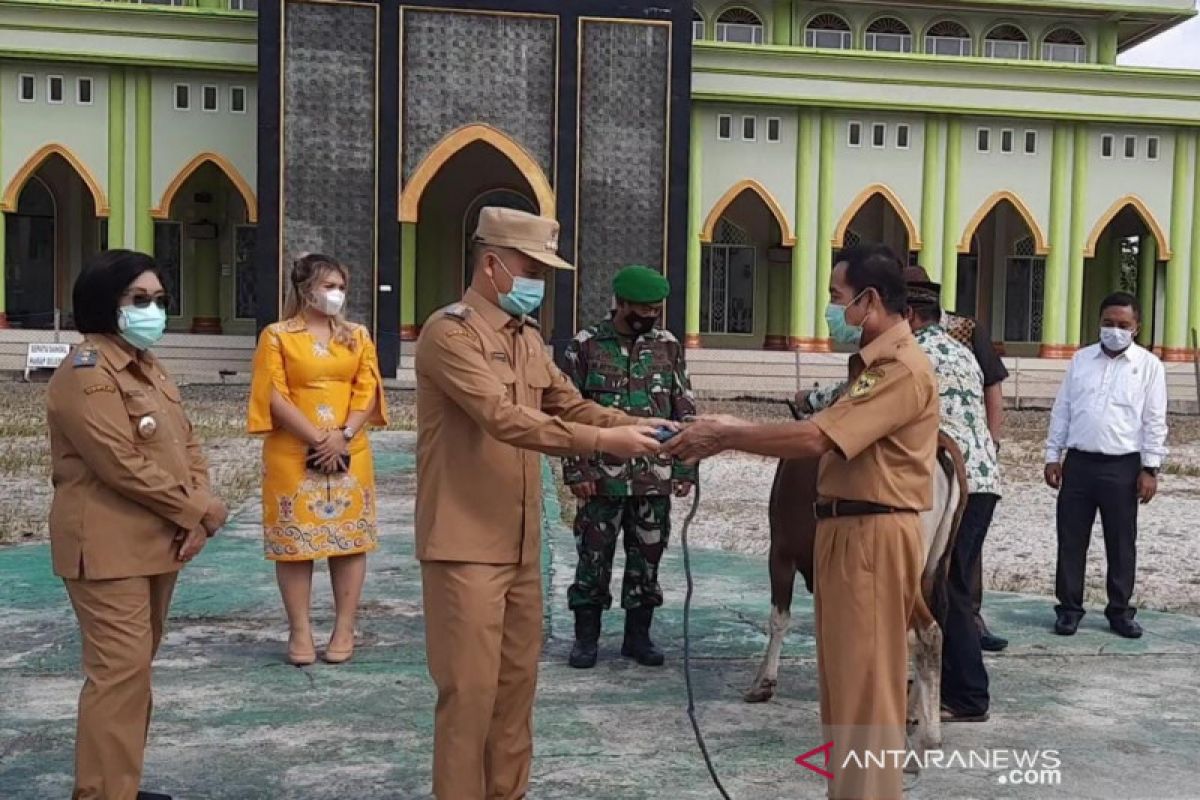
<point x="142" y="327"/>
<point x="840" y="330"/>
<point x="525" y="296"/>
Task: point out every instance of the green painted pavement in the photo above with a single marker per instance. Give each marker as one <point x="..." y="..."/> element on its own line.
<point x="233" y="721"/>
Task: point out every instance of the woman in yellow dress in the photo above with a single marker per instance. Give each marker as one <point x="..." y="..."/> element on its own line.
<point x="315" y="389"/>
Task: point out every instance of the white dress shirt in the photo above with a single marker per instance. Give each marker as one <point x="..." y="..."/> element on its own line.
<point x="1111" y="405"/>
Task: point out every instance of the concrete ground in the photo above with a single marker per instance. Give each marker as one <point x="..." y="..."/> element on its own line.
<point x="233" y="721"/>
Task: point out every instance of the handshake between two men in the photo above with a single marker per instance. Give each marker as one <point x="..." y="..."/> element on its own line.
<point x="690" y="441"/>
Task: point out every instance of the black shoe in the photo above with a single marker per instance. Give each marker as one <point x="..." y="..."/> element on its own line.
<point x="950" y="715"/>
<point x="587" y="638"/>
<point x="992" y="643"/>
<point x="152" y="796"/>
<point x="1066" y="625"/>
<point x="637" y="644"/>
<point x="1125" y="627"/>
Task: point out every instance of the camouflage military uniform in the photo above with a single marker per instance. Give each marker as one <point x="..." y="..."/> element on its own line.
<point x="646" y="378"/>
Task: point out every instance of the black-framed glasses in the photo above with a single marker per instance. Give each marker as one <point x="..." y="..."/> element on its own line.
<point x="144" y="300"/>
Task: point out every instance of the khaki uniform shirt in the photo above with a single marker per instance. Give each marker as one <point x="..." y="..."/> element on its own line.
<point x="885" y="427"/>
<point x="488" y="395"/>
<point x="127" y="469"/>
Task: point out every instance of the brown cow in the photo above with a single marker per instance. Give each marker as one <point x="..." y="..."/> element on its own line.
<point x="793" y="534"/>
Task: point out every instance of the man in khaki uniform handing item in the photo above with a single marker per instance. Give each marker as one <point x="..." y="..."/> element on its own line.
<point x="488" y="395"/>
<point x="880" y="442"/>
<point x="132" y="504"/>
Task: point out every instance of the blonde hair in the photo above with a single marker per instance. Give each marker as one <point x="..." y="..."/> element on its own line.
<point x="307" y="271"/>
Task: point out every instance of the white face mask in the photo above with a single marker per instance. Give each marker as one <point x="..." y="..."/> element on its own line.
<point x="1116" y="339"/>
<point x="329" y="302"/>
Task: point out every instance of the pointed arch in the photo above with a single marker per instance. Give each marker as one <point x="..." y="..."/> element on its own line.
<point x="163" y="211"/>
<point x="1143" y="211"/>
<point x="456" y="141"/>
<point x="786" y="234"/>
<point x="12" y="191"/>
<point x="1041" y="246"/>
<point x="889" y="197"/>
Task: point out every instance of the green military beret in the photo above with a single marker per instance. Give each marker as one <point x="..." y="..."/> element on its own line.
<point x="638" y="284"/>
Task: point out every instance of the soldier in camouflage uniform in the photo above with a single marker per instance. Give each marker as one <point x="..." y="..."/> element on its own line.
<point x="626" y="362"/>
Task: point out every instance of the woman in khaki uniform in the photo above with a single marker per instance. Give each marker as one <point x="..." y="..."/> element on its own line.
<point x="132" y="504"/>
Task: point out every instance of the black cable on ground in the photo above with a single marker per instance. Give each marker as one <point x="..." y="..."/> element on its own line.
<point x="687" y="644"/>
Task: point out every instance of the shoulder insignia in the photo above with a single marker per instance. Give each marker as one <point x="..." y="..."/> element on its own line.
<point x="85" y="357"/>
<point x="532" y="323"/>
<point x="584" y="335"/>
<point x="665" y="335"/>
<point x="458" y="311"/>
<point x="865" y="383"/>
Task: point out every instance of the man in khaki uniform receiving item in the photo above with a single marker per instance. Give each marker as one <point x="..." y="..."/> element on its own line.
<point x="880" y="442"/>
<point x="487" y="397"/>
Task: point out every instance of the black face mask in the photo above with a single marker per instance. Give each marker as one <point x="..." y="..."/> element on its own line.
<point x="640" y="325"/>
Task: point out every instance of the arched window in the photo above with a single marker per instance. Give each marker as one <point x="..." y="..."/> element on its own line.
<point x="739" y="25"/>
<point x="889" y="35"/>
<point x="948" y="39"/>
<point x="828" y="31"/>
<point x="1064" y="44"/>
<point x="697" y="25"/>
<point x="1006" y="41"/>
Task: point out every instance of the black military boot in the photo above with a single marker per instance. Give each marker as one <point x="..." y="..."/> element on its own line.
<point x="587" y="635"/>
<point x="637" y="643"/>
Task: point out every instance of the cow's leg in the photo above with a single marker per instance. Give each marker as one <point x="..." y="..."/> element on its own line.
<point x="767" y="678"/>
<point x="783" y="578"/>
<point x="927" y="687"/>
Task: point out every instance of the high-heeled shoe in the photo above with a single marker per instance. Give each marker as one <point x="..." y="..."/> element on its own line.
<point x="334" y="655"/>
<point x="302" y="658"/>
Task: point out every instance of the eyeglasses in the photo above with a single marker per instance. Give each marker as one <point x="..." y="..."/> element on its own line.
<point x="144" y="300"/>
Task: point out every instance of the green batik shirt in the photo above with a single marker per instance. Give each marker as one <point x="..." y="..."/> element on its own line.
<point x="964" y="417"/>
<point x="644" y="377"/>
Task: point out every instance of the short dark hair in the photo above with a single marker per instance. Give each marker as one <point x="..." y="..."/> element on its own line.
<point x="98" y="289"/>
<point x="1123" y="300"/>
<point x="875" y="267"/>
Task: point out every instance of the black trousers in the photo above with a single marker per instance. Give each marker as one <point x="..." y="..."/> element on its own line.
<point x="1092" y="482"/>
<point x="964" y="677"/>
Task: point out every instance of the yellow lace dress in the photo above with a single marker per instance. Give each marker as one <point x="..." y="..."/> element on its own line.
<point x="309" y="515"/>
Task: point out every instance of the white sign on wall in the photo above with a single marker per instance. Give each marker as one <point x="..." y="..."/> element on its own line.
<point x="45" y="355"/>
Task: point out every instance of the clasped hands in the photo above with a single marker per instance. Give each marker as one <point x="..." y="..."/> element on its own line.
<point x="190" y="543"/>
<point x="330" y="450"/>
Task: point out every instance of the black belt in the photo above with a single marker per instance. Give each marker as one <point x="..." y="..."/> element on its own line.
<point x="851" y="508"/>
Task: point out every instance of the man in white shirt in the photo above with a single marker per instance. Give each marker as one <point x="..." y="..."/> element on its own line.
<point x="1110" y="421"/>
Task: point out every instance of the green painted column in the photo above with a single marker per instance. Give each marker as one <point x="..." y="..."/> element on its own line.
<point x="950" y="213"/>
<point x="825" y="224"/>
<point x="931" y="235"/>
<point x="408" y="281"/>
<point x="1106" y="46"/>
<point x="1175" y="335"/>
<point x="804" y="267"/>
<point x="1147" y="267"/>
<point x="116" y="158"/>
<point x="781" y="24"/>
<point x="1054" y="330"/>
<point x="695" y="223"/>
<point x="143" y="224"/>
<point x="1194" y="284"/>
<point x="1079" y="178"/>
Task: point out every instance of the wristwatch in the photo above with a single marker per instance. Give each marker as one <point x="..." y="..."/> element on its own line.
<point x="1151" y="471"/>
<point x="347" y="433"/>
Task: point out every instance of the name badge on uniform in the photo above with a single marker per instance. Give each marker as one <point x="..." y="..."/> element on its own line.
<point x="146" y="426"/>
<point x="500" y="357"/>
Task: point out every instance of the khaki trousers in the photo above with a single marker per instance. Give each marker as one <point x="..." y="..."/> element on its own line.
<point x="121" y="624"/>
<point x="868" y="572"/>
<point x="483" y="638"/>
